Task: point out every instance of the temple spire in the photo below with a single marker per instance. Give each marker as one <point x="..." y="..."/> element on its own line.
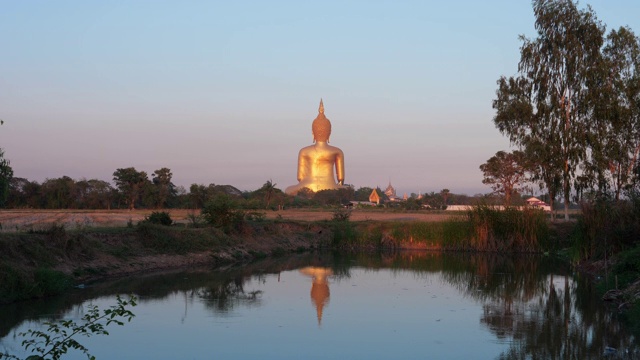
<point x="321" y="108"/>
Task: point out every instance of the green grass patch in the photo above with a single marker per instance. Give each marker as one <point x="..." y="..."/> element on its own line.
<point x="173" y="240"/>
<point x="18" y="284"/>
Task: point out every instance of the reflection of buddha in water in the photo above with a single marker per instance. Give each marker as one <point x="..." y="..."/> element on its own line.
<point x="316" y="162"/>
<point x="319" y="287"/>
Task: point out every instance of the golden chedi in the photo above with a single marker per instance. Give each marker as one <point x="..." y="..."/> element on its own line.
<point x="316" y="163"/>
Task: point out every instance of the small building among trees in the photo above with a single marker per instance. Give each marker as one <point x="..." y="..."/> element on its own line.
<point x="537" y="203"/>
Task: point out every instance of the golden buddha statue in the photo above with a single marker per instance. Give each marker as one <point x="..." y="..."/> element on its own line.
<point x="316" y="162"/>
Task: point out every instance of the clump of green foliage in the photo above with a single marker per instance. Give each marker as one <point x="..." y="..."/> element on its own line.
<point x="55" y="230"/>
<point x="606" y="227"/>
<point x="159" y="218"/>
<point x="194" y="220"/>
<point x="222" y="212"/>
<point x="60" y="336"/>
<point x="177" y="240"/>
<point x="257" y="216"/>
<point x="627" y="267"/>
<point x="16" y="284"/>
<point x="624" y="275"/>
<point x="341" y="214"/>
<point x="345" y="233"/>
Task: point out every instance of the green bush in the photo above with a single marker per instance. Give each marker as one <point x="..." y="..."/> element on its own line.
<point x="341" y="214"/>
<point x="55" y="230"/>
<point x="159" y="218"/>
<point x="17" y="284"/>
<point x="51" y="282"/>
<point x="627" y="268"/>
<point x="257" y="216"/>
<point x="222" y="212"/>
<point x="606" y="226"/>
<point x="345" y="234"/>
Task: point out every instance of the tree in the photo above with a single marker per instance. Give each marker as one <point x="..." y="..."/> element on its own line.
<point x="269" y="189"/>
<point x="445" y="195"/>
<point x="542" y="164"/>
<point x="505" y="173"/>
<point x="95" y="194"/>
<point x="363" y="193"/>
<point x="164" y="187"/>
<point x="59" y="193"/>
<point x="615" y="131"/>
<point x="24" y="193"/>
<point x="334" y="197"/>
<point x="547" y="103"/>
<point x="6" y="173"/>
<point x="129" y="182"/>
<point x="197" y="195"/>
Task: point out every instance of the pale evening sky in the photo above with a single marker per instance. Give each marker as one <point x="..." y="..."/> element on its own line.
<point x="225" y="92"/>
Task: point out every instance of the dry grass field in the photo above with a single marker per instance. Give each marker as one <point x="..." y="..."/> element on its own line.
<point x="26" y="219"/>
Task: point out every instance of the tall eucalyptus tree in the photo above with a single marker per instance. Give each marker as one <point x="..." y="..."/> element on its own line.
<point x="615" y="130"/>
<point x="546" y="104"/>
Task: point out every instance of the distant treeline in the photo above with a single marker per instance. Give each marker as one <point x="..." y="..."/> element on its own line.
<point x="135" y="189"/>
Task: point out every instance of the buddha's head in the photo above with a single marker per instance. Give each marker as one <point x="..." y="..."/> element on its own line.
<point x="321" y="126"/>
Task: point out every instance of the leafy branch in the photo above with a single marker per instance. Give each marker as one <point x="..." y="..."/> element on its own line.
<point x="59" y="336"/>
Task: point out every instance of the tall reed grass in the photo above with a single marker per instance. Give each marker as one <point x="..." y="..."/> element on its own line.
<point x="606" y="227"/>
<point x="508" y="230"/>
<point x="482" y="229"/>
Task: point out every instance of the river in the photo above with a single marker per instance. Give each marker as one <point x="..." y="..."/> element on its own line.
<point x="409" y="305"/>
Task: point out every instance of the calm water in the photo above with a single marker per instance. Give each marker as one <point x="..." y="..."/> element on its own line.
<point x="407" y="305"/>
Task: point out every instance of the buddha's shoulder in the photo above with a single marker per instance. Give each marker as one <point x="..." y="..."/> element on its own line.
<point x="325" y="148"/>
<point x="307" y="148"/>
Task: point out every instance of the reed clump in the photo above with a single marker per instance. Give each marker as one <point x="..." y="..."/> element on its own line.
<point x="606" y="227"/>
<point x="508" y="230"/>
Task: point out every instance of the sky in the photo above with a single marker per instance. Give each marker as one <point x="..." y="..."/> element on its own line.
<point x="224" y="92"/>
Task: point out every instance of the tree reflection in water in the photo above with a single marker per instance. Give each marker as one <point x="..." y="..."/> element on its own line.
<point x="222" y="297"/>
<point x="535" y="304"/>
